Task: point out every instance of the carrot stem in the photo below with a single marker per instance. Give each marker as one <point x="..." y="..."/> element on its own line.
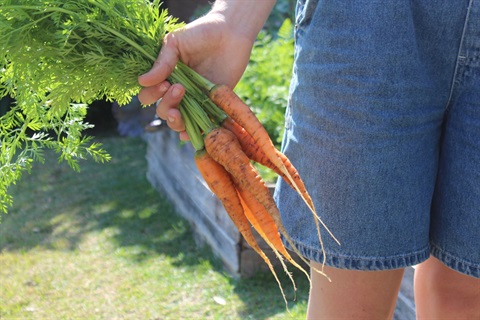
<point x="192" y="128"/>
<point x="200" y="103"/>
<point x="200" y="82"/>
<point x="197" y="121"/>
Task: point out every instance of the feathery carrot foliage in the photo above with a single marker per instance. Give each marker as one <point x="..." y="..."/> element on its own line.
<point x="56" y="57"/>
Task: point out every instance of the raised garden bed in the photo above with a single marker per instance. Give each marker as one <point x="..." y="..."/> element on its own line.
<point x="172" y="171"/>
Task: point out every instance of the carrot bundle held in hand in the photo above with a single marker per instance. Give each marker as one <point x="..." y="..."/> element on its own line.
<point x="114" y="41"/>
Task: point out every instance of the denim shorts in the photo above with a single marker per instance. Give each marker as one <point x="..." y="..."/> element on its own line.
<point x="383" y="124"/>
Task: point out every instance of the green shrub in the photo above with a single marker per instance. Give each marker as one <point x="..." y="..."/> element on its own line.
<point x="283" y="9"/>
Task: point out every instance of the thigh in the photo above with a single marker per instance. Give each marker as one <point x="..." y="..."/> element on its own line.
<point x="455" y="221"/>
<point x="442" y="293"/>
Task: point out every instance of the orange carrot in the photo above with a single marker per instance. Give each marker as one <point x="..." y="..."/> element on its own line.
<point x="235" y="108"/>
<point x="261" y="231"/>
<point x="221" y="184"/>
<point x="247" y="142"/>
<point x="257" y="154"/>
<point x="223" y="146"/>
<point x="265" y="225"/>
<point x="227" y="100"/>
<point x="258" y="214"/>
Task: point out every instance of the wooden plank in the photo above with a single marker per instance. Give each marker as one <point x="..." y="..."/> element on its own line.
<point x="172" y="171"/>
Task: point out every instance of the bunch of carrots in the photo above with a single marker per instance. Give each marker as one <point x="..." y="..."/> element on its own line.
<point x="228" y="138"/>
<point x="77" y="51"/>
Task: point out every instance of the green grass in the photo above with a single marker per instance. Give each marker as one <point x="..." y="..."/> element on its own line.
<point x="103" y="244"/>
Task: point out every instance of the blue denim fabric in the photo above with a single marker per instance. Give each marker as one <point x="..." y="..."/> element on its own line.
<point x="383" y="124"/>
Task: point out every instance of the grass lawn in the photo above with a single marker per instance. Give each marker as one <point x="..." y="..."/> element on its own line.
<point x="103" y="244"/>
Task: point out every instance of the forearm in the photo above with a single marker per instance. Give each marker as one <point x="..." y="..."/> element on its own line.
<point x="246" y="16"/>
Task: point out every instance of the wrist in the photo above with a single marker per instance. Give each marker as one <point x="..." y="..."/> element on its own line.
<point x="245" y="17"/>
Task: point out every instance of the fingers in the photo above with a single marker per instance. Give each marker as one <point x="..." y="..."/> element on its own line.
<point x="169" y="98"/>
<point x="167" y="108"/>
<point x="157" y="88"/>
<point x="164" y="65"/>
<point x="150" y="95"/>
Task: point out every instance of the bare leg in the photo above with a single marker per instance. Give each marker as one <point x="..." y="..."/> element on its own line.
<point x="358" y="295"/>
<point x="442" y="293"/>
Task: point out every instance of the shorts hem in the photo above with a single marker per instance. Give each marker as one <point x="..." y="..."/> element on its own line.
<point x="460" y="265"/>
<point x="367" y="263"/>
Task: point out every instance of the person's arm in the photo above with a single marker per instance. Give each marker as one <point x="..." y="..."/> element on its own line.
<point x="217" y="45"/>
<point x="247" y="16"/>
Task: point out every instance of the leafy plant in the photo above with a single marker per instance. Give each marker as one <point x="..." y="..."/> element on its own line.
<point x="283" y="10"/>
<point x="56" y="57"/>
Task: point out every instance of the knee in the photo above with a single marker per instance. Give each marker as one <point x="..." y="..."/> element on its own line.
<point x="446" y="281"/>
<point x="447" y="290"/>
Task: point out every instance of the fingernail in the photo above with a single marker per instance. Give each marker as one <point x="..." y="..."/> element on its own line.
<point x="176" y="92"/>
<point x="170" y="118"/>
<point x="163" y="88"/>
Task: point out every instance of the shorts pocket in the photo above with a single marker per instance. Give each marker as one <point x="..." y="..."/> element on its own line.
<point x="303" y="15"/>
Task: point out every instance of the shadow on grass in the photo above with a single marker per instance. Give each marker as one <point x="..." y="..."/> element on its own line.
<point x="57" y="209"/>
<point x="54" y="202"/>
<point x="263" y="299"/>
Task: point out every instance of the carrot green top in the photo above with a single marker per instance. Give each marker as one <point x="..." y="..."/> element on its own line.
<point x="58" y="56"/>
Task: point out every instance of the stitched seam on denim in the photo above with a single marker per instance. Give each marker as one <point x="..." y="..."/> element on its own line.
<point x="310" y="250"/>
<point x="459" y="57"/>
<point x="350" y="263"/>
<point x="453" y="257"/>
<point x="372" y="258"/>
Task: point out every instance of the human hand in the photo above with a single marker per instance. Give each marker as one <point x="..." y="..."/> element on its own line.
<point x="217" y="46"/>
